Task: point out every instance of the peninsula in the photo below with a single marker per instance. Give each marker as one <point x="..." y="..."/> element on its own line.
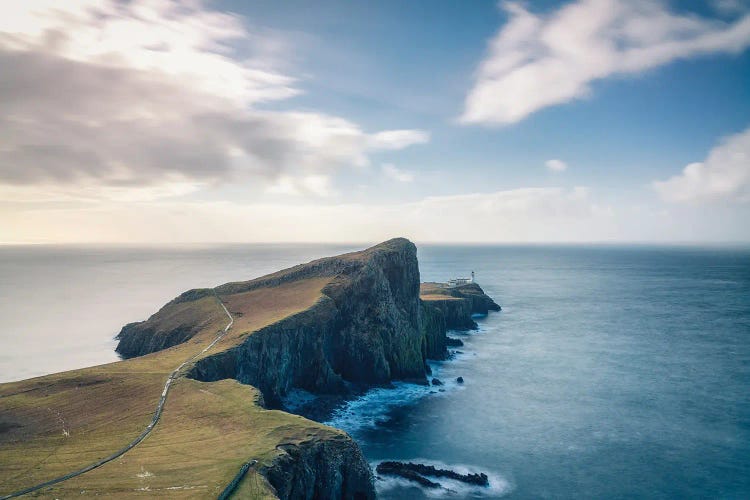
<point x="195" y="407"/>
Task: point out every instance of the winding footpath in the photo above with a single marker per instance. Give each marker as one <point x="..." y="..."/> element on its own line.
<point x="157" y="415"/>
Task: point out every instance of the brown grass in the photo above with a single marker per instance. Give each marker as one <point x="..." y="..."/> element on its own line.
<point x="207" y="429"/>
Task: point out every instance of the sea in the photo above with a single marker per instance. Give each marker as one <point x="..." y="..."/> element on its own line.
<point x="611" y="372"/>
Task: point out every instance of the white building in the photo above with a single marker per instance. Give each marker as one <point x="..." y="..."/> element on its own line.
<point x="460" y="281"/>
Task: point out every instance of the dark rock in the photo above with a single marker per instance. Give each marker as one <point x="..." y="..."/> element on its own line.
<point x="457" y="313"/>
<point x="427" y="369"/>
<point x="437" y="381"/>
<point x="460" y="380"/>
<point x="408" y="470"/>
<point x="453" y="342"/>
<point x="321" y="468"/>
<point x="396" y="469"/>
<point x="481" y="303"/>
<point x="458" y="304"/>
<point x="434" y="329"/>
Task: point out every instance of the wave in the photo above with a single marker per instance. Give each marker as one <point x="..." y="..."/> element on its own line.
<point x="370" y="409"/>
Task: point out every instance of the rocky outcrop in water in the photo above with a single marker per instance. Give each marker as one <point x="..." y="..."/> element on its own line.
<point x="453" y="342"/>
<point x="420" y="472"/>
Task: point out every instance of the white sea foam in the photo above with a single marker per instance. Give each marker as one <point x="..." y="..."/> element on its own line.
<point x="499" y="486"/>
<point x="367" y="410"/>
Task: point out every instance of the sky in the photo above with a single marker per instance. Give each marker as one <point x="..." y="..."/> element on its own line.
<point x="153" y="121"/>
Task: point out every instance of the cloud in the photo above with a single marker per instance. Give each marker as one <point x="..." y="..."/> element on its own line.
<point x="723" y="175"/>
<point x="319" y="185"/>
<point x="392" y="172"/>
<point x="556" y="165"/>
<point x="526" y="214"/>
<point x="139" y="95"/>
<point x="541" y="60"/>
<point x="397" y="139"/>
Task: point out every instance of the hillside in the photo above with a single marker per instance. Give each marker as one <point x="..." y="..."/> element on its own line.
<point x="322" y="326"/>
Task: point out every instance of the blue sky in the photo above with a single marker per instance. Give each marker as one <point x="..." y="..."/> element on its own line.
<point x="260" y="121"/>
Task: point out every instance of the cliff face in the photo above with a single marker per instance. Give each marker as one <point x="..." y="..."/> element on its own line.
<point x="328" y="469"/>
<point x="458" y="304"/>
<point x="175" y="323"/>
<point x="457" y="313"/>
<point x="481" y="303"/>
<point x="368" y="328"/>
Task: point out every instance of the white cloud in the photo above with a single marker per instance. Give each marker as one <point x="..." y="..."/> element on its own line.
<point x="556" y="165"/>
<point x="723" y="175"/>
<point x="397" y="139"/>
<point x="319" y="185"/>
<point x="541" y="60"/>
<point x="133" y="95"/>
<point x="392" y="172"/>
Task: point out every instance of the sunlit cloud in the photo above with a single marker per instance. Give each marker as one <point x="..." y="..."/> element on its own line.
<point x="540" y="60"/>
<point x="723" y="176"/>
<point x="130" y="96"/>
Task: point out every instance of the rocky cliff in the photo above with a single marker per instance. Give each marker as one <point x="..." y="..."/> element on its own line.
<point x="368" y="326"/>
<point x="458" y="304"/>
<point x="329" y="469"/>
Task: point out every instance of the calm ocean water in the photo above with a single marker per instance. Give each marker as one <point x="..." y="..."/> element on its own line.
<point x="612" y="372"/>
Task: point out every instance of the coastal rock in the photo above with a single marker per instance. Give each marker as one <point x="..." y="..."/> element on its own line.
<point x="437" y="381"/>
<point x="458" y="303"/>
<point x="457" y="313"/>
<point x="417" y="472"/>
<point x="328" y="469"/>
<point x="434" y="330"/>
<point x="460" y="380"/>
<point x="366" y="329"/>
<point x="481" y="303"/>
<point x="453" y="342"/>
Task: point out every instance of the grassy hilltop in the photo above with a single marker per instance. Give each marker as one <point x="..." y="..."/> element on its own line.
<point x="51" y="425"/>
